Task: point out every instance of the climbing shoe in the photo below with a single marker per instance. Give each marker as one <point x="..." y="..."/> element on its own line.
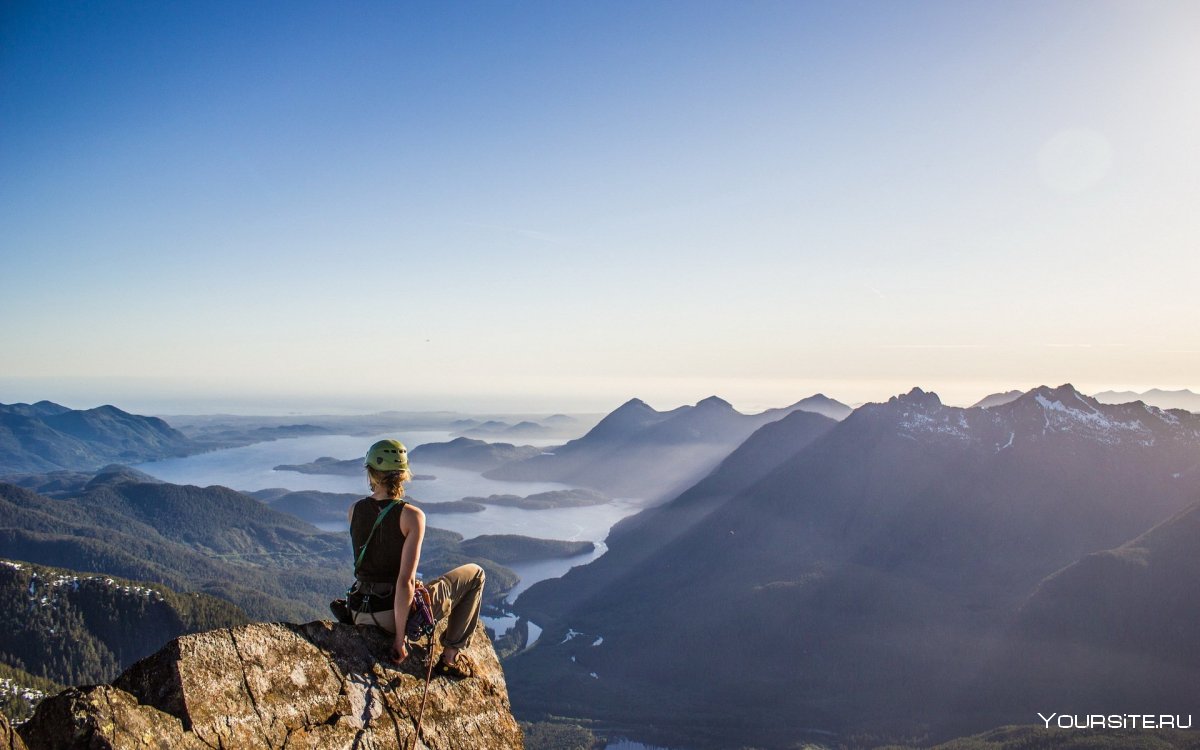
<point x="460" y="669"/>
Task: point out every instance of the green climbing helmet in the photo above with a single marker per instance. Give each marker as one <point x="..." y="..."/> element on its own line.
<point x="388" y="455"/>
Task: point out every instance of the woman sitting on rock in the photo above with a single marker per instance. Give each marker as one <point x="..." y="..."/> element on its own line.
<point x="387" y="570"/>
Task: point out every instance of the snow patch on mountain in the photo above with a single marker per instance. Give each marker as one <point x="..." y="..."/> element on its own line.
<point x="1039" y="413"/>
<point x="44" y="590"/>
<point x="1062" y="417"/>
<point x="1162" y="414"/>
<point x="571" y="633"/>
<point x="10" y="689"/>
<point x="922" y="414"/>
<point x="943" y="423"/>
<point x="1011" y="437"/>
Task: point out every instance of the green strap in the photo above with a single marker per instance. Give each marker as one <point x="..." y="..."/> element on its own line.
<point x="378" y="520"/>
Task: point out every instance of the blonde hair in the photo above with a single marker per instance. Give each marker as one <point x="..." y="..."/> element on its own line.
<point x="391" y="481"/>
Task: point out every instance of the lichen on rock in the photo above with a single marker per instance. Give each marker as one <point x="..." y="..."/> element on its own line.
<point x="278" y="685"/>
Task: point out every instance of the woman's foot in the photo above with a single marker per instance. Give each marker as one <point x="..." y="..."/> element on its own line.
<point x="453" y="665"/>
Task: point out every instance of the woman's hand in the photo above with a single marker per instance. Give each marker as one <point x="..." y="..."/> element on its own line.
<point x="399" y="648"/>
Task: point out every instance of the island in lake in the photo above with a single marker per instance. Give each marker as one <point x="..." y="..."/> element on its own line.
<point x="332" y="507"/>
<point x="573" y="498"/>
<point x="350" y="467"/>
<point x="475" y="455"/>
<point x="511" y="548"/>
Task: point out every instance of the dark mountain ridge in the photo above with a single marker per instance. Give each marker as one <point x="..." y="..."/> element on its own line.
<point x="868" y="573"/>
<point x="40" y="409"/>
<point x="1110" y="633"/>
<point x="45" y="437"/>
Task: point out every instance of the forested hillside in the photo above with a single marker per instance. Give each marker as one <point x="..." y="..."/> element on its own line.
<point x="211" y="539"/>
<point x="46" y="436"/>
<point x="20" y="692"/>
<point x="71" y="628"/>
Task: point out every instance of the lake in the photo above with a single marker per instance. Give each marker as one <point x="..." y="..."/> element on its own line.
<point x="251" y="467"/>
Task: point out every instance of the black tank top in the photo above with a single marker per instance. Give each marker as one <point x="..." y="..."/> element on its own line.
<point x="381" y="564"/>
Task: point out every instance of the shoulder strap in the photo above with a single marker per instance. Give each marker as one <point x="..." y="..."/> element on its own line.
<point x="378" y="520"/>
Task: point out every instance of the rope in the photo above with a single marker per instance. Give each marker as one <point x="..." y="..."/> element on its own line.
<point x="425" y="692"/>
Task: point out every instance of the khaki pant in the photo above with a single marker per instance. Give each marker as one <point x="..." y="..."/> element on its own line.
<point x="456" y="594"/>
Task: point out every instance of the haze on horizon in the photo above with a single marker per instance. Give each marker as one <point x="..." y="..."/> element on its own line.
<point x="558" y="206"/>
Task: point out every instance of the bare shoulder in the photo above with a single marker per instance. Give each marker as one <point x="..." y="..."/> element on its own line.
<point x="411" y="517"/>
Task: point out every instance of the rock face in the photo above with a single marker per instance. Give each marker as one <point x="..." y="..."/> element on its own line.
<point x="9" y="740"/>
<point x="276" y="685"/>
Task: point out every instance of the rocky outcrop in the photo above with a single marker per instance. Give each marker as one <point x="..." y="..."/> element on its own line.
<point x="278" y="685"/>
<point x="9" y="740"/>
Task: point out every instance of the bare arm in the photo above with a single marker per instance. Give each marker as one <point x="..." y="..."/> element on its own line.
<point x="412" y="525"/>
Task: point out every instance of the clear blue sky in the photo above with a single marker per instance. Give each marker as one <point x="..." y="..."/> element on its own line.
<point x="561" y="205"/>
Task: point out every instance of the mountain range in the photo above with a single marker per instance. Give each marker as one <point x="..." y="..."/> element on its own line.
<point x="913" y="570"/>
<point x="1180" y="399"/>
<point x="639" y="452"/>
<point x="46" y="436"/>
<point x="861" y="578"/>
